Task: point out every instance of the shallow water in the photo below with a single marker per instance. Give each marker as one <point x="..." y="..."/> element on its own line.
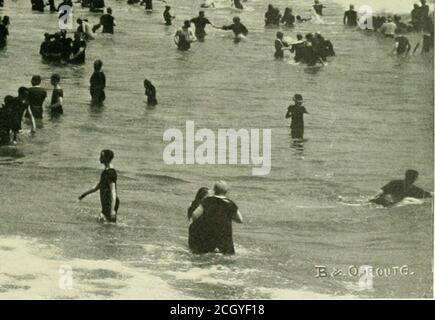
<point x="371" y="117"/>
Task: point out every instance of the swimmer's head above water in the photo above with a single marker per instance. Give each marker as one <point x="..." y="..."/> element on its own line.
<point x="106" y="156"/>
<point x="220" y="188"/>
<point x="411" y="176"/>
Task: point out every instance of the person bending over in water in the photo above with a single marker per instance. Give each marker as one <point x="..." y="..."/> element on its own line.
<point x="402" y="46"/>
<point x="167" y="16"/>
<point x="280" y="45"/>
<point x="107" y="186"/>
<point x="217" y="213"/>
<point x="237" y="27"/>
<point x="296" y="112"/>
<point x="196" y="228"/>
<point x="98" y="84"/>
<point x="397" y="190"/>
<point x="350" y="17"/>
<point x="184" y="37"/>
<point x="200" y="23"/>
<point x="150" y="92"/>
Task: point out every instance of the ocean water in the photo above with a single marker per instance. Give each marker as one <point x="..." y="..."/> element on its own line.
<point x="370" y="118"/>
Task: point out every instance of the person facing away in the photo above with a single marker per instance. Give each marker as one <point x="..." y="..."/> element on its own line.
<point x="217" y="213"/>
<point x="280" y="44"/>
<point x="37" y="96"/>
<point x="98" y="84"/>
<point x="200" y="23"/>
<point x="351" y="17"/>
<point x="318" y="7"/>
<point x="150" y="92"/>
<point x="108" y="189"/>
<point x="296" y="113"/>
<point x="298" y="48"/>
<point x="388" y="29"/>
<point x="402" y="46"/>
<point x="397" y="190"/>
<point x="55" y="107"/>
<point x="195" y="240"/>
<point x="107" y="21"/>
<point x="167" y="16"/>
<point x="288" y="18"/>
<point x="184" y="37"/>
<point x="237" y="27"/>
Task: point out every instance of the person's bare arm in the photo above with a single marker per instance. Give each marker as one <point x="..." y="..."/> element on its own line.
<point x="198" y="212"/>
<point x="238" y="217"/>
<point x="377" y="195"/>
<point x="113" y="200"/>
<point x="94" y="189"/>
<point x="32" y="118"/>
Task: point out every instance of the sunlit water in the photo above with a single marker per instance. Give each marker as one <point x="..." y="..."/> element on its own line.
<point x="371" y="117"/>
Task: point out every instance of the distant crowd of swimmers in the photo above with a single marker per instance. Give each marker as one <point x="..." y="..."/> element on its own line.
<point x="211" y="215"/>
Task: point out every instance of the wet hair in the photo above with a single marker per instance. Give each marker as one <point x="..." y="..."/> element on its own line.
<point x="36" y="80"/>
<point x="98" y="64"/>
<point x="107" y="155"/>
<point x="8" y="100"/>
<point x="279" y="34"/>
<point x="236" y="19"/>
<point x="186" y="24"/>
<point x="55" y="78"/>
<point x="300" y="36"/>
<point x="146" y="83"/>
<point x="201" y="13"/>
<point x="79" y="20"/>
<point x="5" y="21"/>
<point x="109" y="10"/>
<point x="411" y="175"/>
<point x="200" y="195"/>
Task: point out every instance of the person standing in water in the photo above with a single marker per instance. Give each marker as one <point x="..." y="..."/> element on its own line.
<point x="108" y="189"/>
<point x="237" y="4"/>
<point x="150" y="92"/>
<point x="298" y="48"/>
<point x="318" y="7"/>
<point x="107" y="21"/>
<point x="200" y="23"/>
<point x="37" y="96"/>
<point x="197" y="237"/>
<point x="296" y="113"/>
<point x="184" y="37"/>
<point x="397" y="190"/>
<point x="98" y="84"/>
<point x="288" y="18"/>
<point x="217" y="213"/>
<point x="4" y="31"/>
<point x="350" y="17"/>
<point x="280" y="45"/>
<point x="237" y="27"/>
<point x="167" y="16"/>
<point x="55" y="106"/>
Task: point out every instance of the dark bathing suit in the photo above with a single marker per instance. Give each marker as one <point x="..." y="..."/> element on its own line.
<point x="98" y="83"/>
<point x="395" y="191"/>
<point x="213" y="230"/>
<point x="352" y="18"/>
<point x="200" y="24"/>
<point x="108" y="176"/>
<point x="37" y="96"/>
<point x="56" y="111"/>
<point x="297" y="125"/>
